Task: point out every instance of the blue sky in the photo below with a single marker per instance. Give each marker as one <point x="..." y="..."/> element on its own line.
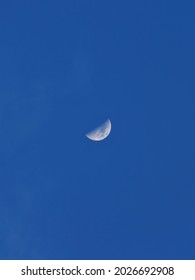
<point x="66" y="67"/>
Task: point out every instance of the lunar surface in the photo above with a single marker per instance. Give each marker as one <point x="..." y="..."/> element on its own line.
<point x="101" y="132"/>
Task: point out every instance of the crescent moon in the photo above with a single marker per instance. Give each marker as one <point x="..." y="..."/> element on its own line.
<point x="101" y="132"/>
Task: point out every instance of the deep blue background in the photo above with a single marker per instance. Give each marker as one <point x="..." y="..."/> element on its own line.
<point x="65" y="67"/>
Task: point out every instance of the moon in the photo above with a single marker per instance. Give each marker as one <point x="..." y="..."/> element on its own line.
<point x="101" y="132"/>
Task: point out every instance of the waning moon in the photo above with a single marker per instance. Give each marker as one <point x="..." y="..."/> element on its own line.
<point x="101" y="132"/>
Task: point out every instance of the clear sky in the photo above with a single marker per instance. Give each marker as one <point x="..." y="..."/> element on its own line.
<point x="65" y="68"/>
